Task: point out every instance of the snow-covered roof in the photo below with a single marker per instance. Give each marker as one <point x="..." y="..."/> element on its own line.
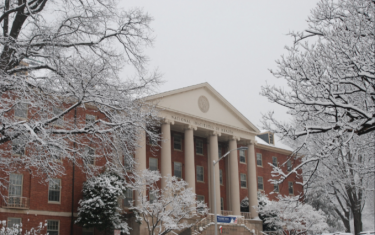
<point x="277" y="144"/>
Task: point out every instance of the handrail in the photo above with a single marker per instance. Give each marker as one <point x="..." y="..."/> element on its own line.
<point x="16" y="202"/>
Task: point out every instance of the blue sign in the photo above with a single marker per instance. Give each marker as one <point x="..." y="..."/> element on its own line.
<point x="227" y="219"/>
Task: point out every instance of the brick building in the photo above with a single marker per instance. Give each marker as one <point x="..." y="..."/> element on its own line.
<point x="198" y="126"/>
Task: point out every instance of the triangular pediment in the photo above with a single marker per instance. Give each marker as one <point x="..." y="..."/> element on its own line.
<point x="203" y="101"/>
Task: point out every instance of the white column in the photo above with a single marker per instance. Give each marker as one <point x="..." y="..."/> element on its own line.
<point x="214" y="156"/>
<point x="234" y="181"/>
<point x="166" y="155"/>
<point x="189" y="157"/>
<point x="140" y="158"/>
<point x="252" y="180"/>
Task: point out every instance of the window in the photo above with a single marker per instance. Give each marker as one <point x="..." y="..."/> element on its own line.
<point x="243" y="181"/>
<point x="200" y="198"/>
<point x="177" y="142"/>
<point x="90" y="155"/>
<point x="220" y="153"/>
<point x="221" y="176"/>
<point x="128" y="197"/>
<point x="242" y="156"/>
<point x="153" y="162"/>
<point x="259" y="159"/>
<point x="14" y="223"/>
<point x="18" y="146"/>
<point x="55" y="152"/>
<point x="178" y="169"/>
<point x="289" y="165"/>
<point x="153" y="139"/>
<point x="152" y="196"/>
<point x="87" y="231"/>
<point x="274" y="161"/>
<point x="200" y="176"/>
<point x="276" y="188"/>
<point x="20" y="110"/>
<point x="90" y="119"/>
<point x="199" y="146"/>
<point x="53" y="227"/>
<point x="260" y="183"/>
<point x="15" y="185"/>
<point x="271" y="139"/>
<point x="54" y="190"/>
<point x="222" y="203"/>
<point x="128" y="163"/>
<point x="56" y="112"/>
<point x="290" y="187"/>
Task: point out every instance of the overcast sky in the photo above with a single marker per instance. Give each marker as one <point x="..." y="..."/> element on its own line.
<point x="229" y="44"/>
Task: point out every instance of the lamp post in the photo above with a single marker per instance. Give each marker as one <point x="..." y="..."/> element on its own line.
<point x="214" y="180"/>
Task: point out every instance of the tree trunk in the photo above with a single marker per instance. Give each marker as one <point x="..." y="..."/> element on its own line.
<point x="357" y="216"/>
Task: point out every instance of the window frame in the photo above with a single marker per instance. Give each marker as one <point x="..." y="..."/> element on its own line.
<point x="27" y="111"/>
<point x="88" y="148"/>
<point x="221" y="179"/>
<point x="149" y="163"/>
<point x="222" y="203"/>
<point x="174" y="169"/>
<point x="277" y="162"/>
<point x="290" y="183"/>
<point x="153" y="195"/>
<point x="9" y="218"/>
<point x="201" y="196"/>
<point x="58" y="226"/>
<point x="16" y="185"/>
<point x="243" y="174"/>
<point x="127" y="198"/>
<point x="244" y="156"/>
<point x="60" y="187"/>
<point x="276" y="188"/>
<point x="289" y="165"/>
<point x="260" y="189"/>
<point x="174" y="141"/>
<point x="196" y="147"/>
<point x="60" y="120"/>
<point x="23" y="150"/>
<point x="89" y="115"/>
<point x="196" y="169"/>
<point x="261" y="159"/>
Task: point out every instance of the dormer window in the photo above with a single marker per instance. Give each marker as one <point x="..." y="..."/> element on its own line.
<point x="271" y="139"/>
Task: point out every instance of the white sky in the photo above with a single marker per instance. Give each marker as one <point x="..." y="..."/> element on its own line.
<point x="229" y="44"/>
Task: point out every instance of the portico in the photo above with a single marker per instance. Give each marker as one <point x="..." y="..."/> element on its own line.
<point x="207" y="126"/>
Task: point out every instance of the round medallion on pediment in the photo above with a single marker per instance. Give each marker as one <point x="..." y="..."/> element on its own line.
<point x="203" y="104"/>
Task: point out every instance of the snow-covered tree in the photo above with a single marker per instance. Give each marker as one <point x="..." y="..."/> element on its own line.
<point x="59" y="58"/>
<point x="330" y="72"/>
<point x="293" y="217"/>
<point x="168" y="209"/>
<point x="99" y="206"/>
<point x="332" y="77"/>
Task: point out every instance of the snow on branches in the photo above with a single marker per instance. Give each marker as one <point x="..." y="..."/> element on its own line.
<point x="99" y="206"/>
<point x="167" y="209"/>
<point x="60" y="59"/>
<point x="332" y="79"/>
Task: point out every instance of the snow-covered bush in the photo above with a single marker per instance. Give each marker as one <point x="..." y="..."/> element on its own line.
<point x="17" y="229"/>
<point x="290" y="216"/>
<point x="167" y="209"/>
<point x="99" y="206"/>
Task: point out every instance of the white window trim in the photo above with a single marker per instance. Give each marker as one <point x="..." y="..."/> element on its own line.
<point x="258" y="183"/>
<point x="292" y="187"/>
<point x="261" y="155"/>
<point x="180" y="136"/>
<point x="202" y="173"/>
<point x="58" y="225"/>
<point x="55" y="202"/>
<point x="174" y="168"/>
<point x="245" y="180"/>
<point x="21" y="185"/>
<point x="8" y="218"/>
<point x="89" y="115"/>
<point x="23" y="118"/>
<point x="94" y="162"/>
<point x="239" y="156"/>
<point x="196" y="147"/>
<point x="157" y="163"/>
